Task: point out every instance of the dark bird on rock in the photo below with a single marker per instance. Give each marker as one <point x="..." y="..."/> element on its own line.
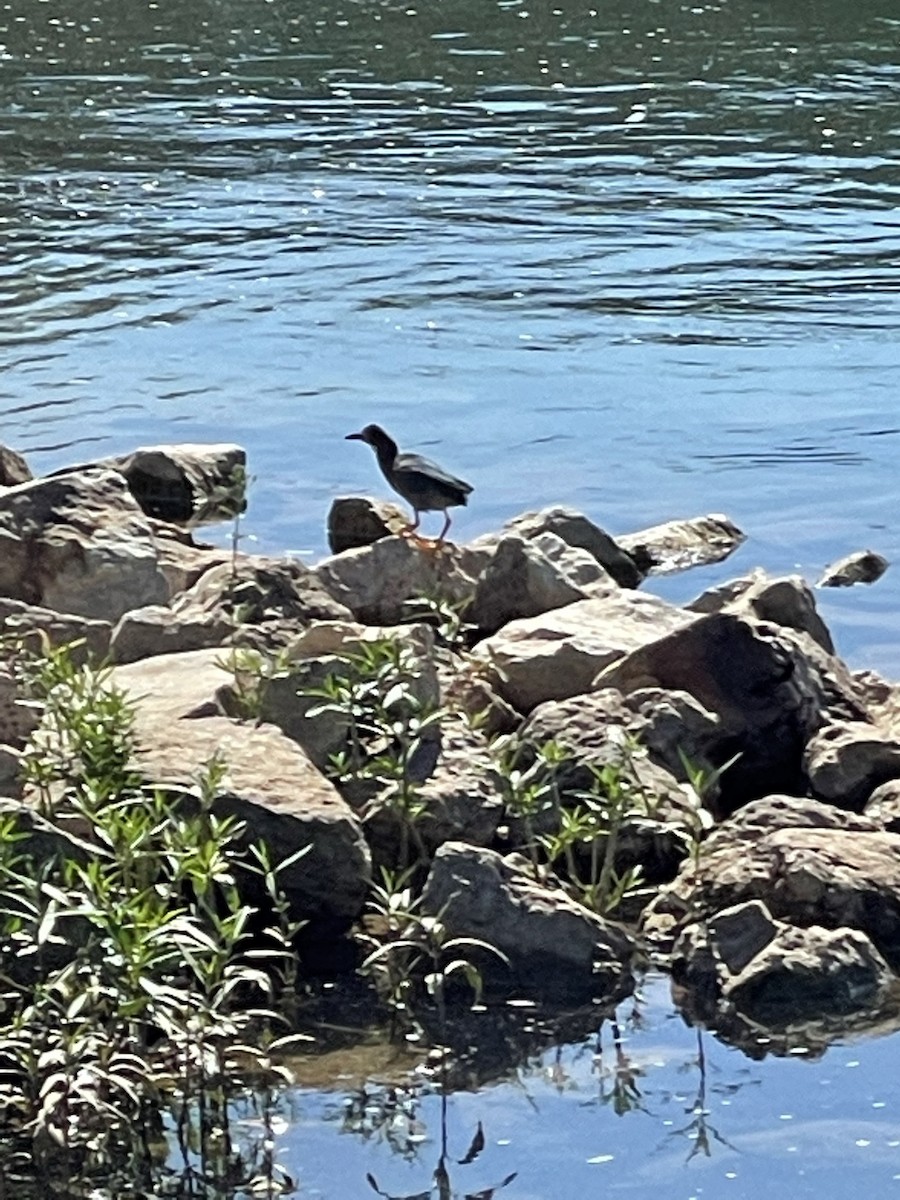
<point x="421" y="483"/>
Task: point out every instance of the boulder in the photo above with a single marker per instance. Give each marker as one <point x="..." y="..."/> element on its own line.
<point x="378" y="583"/>
<point x="883" y="806"/>
<point x="551" y="944"/>
<point x="577" y="530"/>
<point x="678" y="545"/>
<point x="808" y="863"/>
<point x="847" y="760"/>
<point x="181" y="559"/>
<point x="786" y="601"/>
<point x="78" y="543"/>
<point x="279" y="797"/>
<point x="355" y="521"/>
<point x="527" y="578"/>
<point x="559" y="654"/>
<point x="186" y="483"/>
<point x="777" y="974"/>
<point x="771" y="687"/>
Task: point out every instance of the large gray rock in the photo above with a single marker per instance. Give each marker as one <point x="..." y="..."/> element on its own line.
<point x="819" y="866"/>
<point x="355" y="521"/>
<point x="379" y="582"/>
<point x="87" y="639"/>
<point x="186" y="483"/>
<point x="552" y="945"/>
<point x="577" y="530"/>
<point x="527" y="578"/>
<point x="78" y="543"/>
<point x="777" y="974"/>
<point x="770" y="686"/>
<point x="787" y="601"/>
<point x="559" y="654"/>
<point x="846" y="761"/>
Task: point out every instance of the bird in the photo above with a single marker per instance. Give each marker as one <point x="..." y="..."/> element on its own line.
<point x="421" y="483"/>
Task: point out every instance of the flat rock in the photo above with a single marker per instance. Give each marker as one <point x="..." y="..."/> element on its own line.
<point x="678" y="545"/>
<point x="560" y="653"/>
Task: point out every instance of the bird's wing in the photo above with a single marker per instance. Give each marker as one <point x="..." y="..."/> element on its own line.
<point x="415" y="464"/>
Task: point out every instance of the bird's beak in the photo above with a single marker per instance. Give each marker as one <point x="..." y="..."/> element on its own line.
<point x="354" y="437"/>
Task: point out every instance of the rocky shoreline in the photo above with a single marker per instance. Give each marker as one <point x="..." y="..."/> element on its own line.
<point x="755" y="837"/>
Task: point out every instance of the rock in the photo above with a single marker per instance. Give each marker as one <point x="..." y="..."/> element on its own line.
<point x="846" y="761"/>
<point x="863" y="566"/>
<point x="771" y="688"/>
<point x="673" y="727"/>
<point x="78" y="544"/>
<point x="468" y="692"/>
<point x="552" y="944"/>
<point x="187" y="483"/>
<point x="559" y="654"/>
<point x="659" y="818"/>
<point x="18" y="717"/>
<point x="840" y="871"/>
<point x="378" y="582"/>
<point x="810" y="973"/>
<point x="787" y="601"/>
<point x="87" y="639"/>
<point x="271" y="787"/>
<point x="459" y="797"/>
<point x="677" y="545"/>
<point x="13" y="468"/>
<point x="776" y="974"/>
<point x="576" y="530"/>
<point x="181" y="560"/>
<point x="221" y="607"/>
<point x="883" y="806"/>
<point x="527" y="578"/>
<point x="355" y="521"/>
<point x="11" y="783"/>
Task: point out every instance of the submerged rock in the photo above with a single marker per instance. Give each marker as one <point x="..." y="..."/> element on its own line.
<point x="678" y="545"/>
<point x="863" y="566"/>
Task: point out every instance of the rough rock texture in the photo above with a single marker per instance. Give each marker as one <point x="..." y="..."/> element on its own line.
<point x="18" y="718"/>
<point x="186" y="483"/>
<point x="559" y="654"/>
<point x="883" y="806"/>
<point x="78" y="543"/>
<point x="777" y="974"/>
<point x="771" y="687"/>
<point x="577" y="530"/>
<point x="181" y="559"/>
<point x="811" y="866"/>
<point x="863" y="566"/>
<point x="527" y="578"/>
<point x="677" y="545"/>
<point x="355" y="521"/>
<point x="846" y="761"/>
<point x="13" y="468"/>
<point x="11" y="783"/>
<point x="222" y="607"/>
<point x="87" y="638"/>
<point x="552" y="945"/>
<point x="378" y="582"/>
<point x="786" y="601"/>
<point x="282" y="800"/>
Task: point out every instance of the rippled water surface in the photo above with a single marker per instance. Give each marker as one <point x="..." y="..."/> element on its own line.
<point x="637" y="258"/>
<point x="640" y="258"/>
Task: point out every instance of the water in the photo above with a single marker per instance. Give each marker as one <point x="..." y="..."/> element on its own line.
<point x="637" y="258"/>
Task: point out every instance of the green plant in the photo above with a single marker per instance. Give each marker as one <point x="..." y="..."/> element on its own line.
<point x="447" y="617"/>
<point x="702" y="783"/>
<point x="130" y="985"/>
<point x="386" y="722"/>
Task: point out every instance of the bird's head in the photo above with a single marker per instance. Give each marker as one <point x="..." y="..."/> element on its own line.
<point x="374" y="435"/>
